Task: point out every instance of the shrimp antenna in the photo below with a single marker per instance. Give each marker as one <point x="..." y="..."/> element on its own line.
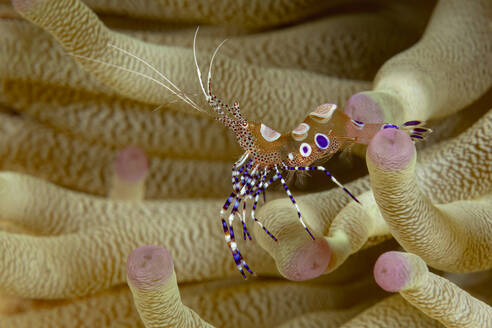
<point x="196" y="64"/>
<point x="152" y="68"/>
<point x="211" y="63"/>
<point x="189" y="102"/>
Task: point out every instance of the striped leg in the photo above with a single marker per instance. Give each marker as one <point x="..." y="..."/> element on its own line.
<point x="229" y="233"/>
<point x="237" y="256"/>
<point x="293" y="202"/>
<point x="237" y="170"/>
<point x="247" y="174"/>
<point x="262" y="187"/>
<point x="235" y="180"/>
<point x="246" y="185"/>
<point x="231" y="240"/>
<point x="235" y="173"/>
<point x="246" y="192"/>
<point x="249" y="190"/>
<point x="224" y="209"/>
<point x="243" y="189"/>
<point x="250" y="181"/>
<point x="242" y="217"/>
<point x="321" y="168"/>
<point x="227" y="203"/>
<point x="243" y="221"/>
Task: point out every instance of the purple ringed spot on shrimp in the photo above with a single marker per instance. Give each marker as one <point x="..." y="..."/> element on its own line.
<point x="420" y="130"/>
<point x="268" y="133"/>
<point x="321" y="140"/>
<point x="305" y="149"/>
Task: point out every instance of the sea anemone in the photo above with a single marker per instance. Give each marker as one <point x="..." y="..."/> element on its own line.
<point x="110" y="187"/>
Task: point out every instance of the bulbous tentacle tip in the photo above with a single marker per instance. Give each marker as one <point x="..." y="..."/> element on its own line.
<point x="149" y="266"/>
<point x="392" y="271"/>
<point x="391" y="149"/>
<point x="309" y="261"/>
<point x="364" y="108"/>
<point x="131" y="164"/>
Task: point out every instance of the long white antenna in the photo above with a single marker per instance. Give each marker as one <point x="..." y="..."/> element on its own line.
<point x="152" y="68"/>
<point x="142" y="75"/>
<point x="211" y="62"/>
<point x="196" y="63"/>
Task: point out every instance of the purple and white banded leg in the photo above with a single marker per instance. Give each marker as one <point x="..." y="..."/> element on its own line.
<point x="245" y="195"/>
<point x="261" y="188"/>
<point x="320" y="168"/>
<point x="246" y="187"/>
<point x="241" y="188"/>
<point x="231" y="239"/>
<point x="238" y="172"/>
<point x="293" y="202"/>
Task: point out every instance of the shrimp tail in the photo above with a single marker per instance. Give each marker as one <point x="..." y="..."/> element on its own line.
<point x="363" y="133"/>
<point x="416" y="130"/>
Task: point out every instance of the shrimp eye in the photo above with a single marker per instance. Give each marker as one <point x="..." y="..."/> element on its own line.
<point x="321" y="140"/>
<point x="305" y="149"/>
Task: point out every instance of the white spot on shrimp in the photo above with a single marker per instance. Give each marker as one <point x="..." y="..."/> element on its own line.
<point x="300" y="132"/>
<point x="268" y="133"/>
<point x="290" y="156"/>
<point x="302" y="128"/>
<point x="323" y="113"/>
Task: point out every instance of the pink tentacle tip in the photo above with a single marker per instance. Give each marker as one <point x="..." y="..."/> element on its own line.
<point x="391" y="271"/>
<point x="309" y="261"/>
<point x="131" y="164"/>
<point x="391" y="149"/>
<point x="361" y="107"/>
<point x="149" y="266"/>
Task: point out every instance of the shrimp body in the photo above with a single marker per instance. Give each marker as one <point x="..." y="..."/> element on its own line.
<point x="324" y="132"/>
<point x="268" y="153"/>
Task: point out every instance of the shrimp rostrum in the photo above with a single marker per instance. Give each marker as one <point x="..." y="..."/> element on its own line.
<point x="268" y="154"/>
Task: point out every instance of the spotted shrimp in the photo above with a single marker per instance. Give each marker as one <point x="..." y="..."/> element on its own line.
<point x="268" y="154"/>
